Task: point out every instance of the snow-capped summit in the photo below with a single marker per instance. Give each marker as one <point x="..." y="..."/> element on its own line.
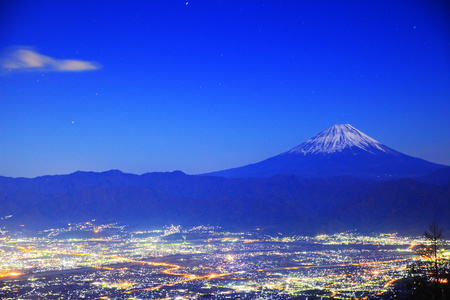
<point x="337" y="138"/>
<point x="339" y="150"/>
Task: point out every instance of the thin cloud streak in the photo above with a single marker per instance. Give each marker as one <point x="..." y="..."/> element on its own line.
<point x="27" y="59"/>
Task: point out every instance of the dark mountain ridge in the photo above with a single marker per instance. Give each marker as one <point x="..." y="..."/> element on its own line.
<point x="282" y="202"/>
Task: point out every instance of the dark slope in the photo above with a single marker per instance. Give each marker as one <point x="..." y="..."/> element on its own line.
<point x="352" y="163"/>
<point x="439" y="177"/>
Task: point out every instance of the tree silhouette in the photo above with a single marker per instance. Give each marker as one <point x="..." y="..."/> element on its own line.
<point x="433" y="266"/>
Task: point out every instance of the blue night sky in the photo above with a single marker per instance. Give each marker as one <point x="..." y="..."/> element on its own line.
<point x="200" y="86"/>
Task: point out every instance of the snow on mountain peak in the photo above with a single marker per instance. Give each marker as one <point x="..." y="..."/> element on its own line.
<point x="336" y="139"/>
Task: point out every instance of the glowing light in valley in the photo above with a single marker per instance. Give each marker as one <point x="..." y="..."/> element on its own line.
<point x="9" y="273"/>
<point x="233" y="265"/>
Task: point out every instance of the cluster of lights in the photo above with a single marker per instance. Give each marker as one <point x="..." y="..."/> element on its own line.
<point x="226" y="262"/>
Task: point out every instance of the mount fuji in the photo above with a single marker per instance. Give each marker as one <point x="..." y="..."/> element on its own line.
<point x="338" y="151"/>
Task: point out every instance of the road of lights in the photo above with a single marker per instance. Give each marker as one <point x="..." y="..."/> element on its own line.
<point x="171" y="268"/>
<point x="129" y="264"/>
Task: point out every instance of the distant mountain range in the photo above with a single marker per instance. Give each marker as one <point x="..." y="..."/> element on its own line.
<point x="345" y="197"/>
<point x="282" y="202"/>
<point x="339" y="150"/>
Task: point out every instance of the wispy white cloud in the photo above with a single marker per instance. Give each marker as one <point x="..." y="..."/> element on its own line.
<point x="27" y="59"/>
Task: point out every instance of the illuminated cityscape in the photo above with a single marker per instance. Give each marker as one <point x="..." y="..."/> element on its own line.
<point x="109" y="261"/>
